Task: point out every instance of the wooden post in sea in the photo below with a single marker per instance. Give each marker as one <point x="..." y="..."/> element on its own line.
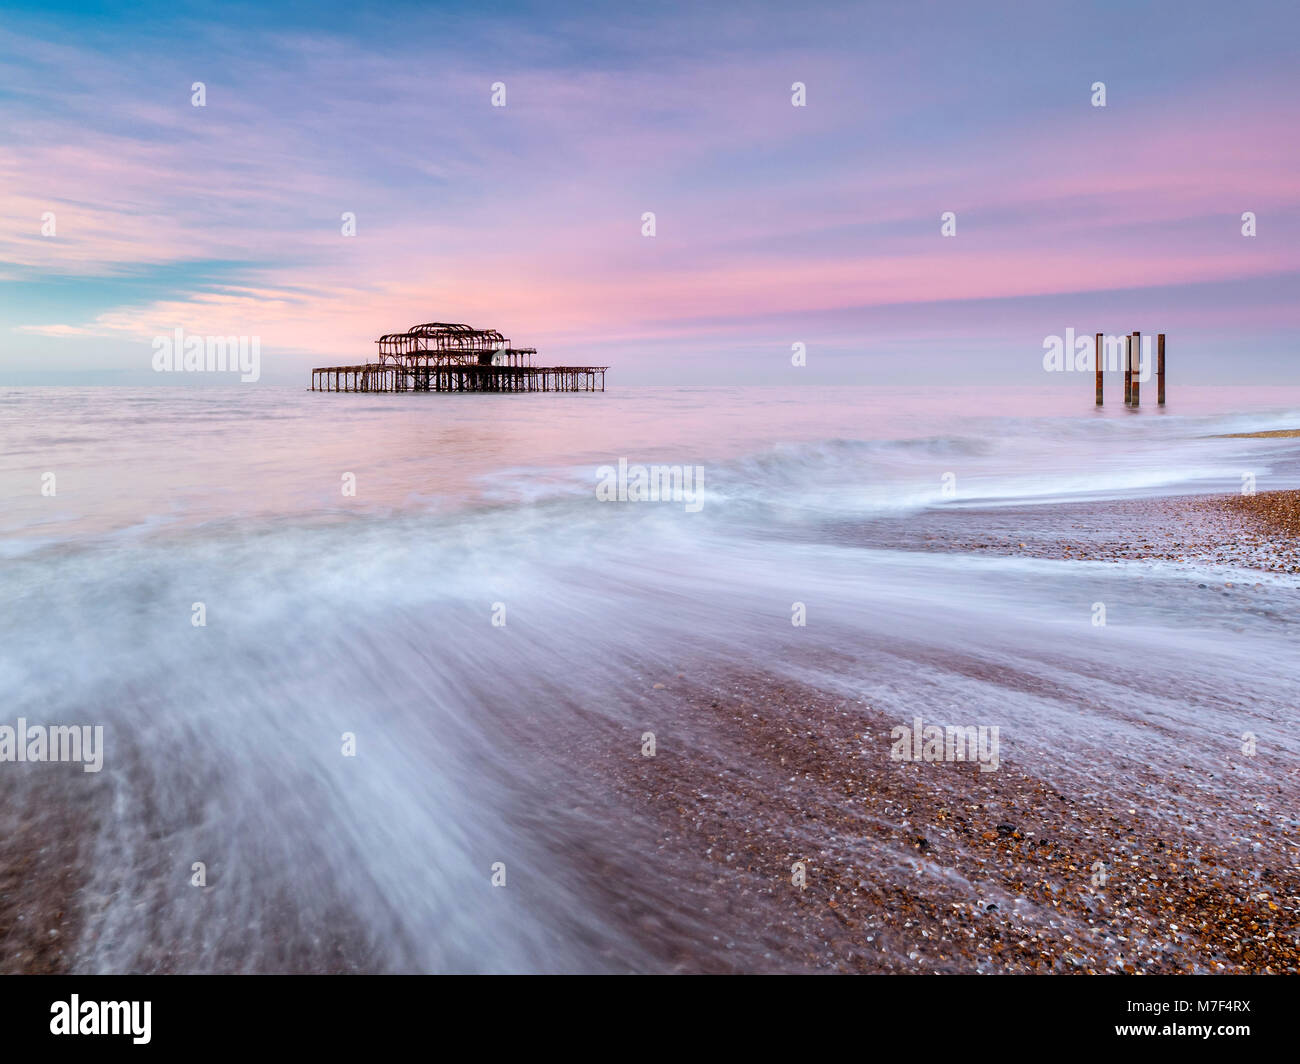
<point x="1097" y="356"/>
<point x="1160" y="369"/>
<point x="1137" y="368"/>
<point x="1128" y="370"/>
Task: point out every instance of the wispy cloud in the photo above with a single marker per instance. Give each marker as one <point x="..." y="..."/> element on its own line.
<point x="58" y="330"/>
<point x="527" y="217"/>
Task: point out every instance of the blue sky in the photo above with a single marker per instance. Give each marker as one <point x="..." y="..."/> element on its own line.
<point x="775" y="224"/>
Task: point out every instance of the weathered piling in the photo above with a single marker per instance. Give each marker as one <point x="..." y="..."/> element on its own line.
<point x="1099" y="358"/>
<point x="1136" y="369"/>
<point x="1160" y="369"/>
<point x="1128" y="370"/>
<point x="1132" y="366"/>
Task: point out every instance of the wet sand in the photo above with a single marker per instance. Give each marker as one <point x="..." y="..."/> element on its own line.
<point x="47" y="829"/>
<point x="943" y="868"/>
<point x="929" y="867"/>
<point x="1256" y="532"/>
<point x="940" y="867"/>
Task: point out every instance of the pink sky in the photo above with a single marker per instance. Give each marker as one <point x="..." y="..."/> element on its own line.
<point x="775" y="224"/>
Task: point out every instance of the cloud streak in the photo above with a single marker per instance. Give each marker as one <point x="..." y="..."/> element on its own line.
<point x="527" y="217"/>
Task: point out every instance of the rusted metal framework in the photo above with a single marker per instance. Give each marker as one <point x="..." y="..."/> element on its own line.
<point x="441" y="338"/>
<point x="451" y="357"/>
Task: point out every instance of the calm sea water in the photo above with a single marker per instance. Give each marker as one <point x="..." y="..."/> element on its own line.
<point x="372" y="614"/>
<point x="149" y="460"/>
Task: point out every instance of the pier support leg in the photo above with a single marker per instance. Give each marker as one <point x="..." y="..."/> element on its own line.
<point x="1128" y="370"/>
<point x="1137" y="369"/>
<point x="1097" y="355"/>
<point x="1160" y="369"/>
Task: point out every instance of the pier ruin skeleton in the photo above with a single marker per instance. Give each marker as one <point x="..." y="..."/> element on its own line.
<point x="450" y="357"/>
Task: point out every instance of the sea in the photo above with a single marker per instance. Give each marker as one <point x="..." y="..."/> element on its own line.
<point x="314" y="627"/>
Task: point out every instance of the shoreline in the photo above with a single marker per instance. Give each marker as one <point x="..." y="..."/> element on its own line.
<point x="982" y="872"/>
<point x="1256" y="532"/>
<point x="911" y="867"/>
<point x="937" y="867"/>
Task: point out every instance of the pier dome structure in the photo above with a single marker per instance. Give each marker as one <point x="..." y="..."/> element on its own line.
<point x="441" y="356"/>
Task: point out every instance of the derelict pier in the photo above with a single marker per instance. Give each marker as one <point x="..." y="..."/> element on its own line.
<point x="448" y="357"/>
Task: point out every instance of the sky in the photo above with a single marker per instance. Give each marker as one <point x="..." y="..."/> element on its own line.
<point x="774" y="224"/>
